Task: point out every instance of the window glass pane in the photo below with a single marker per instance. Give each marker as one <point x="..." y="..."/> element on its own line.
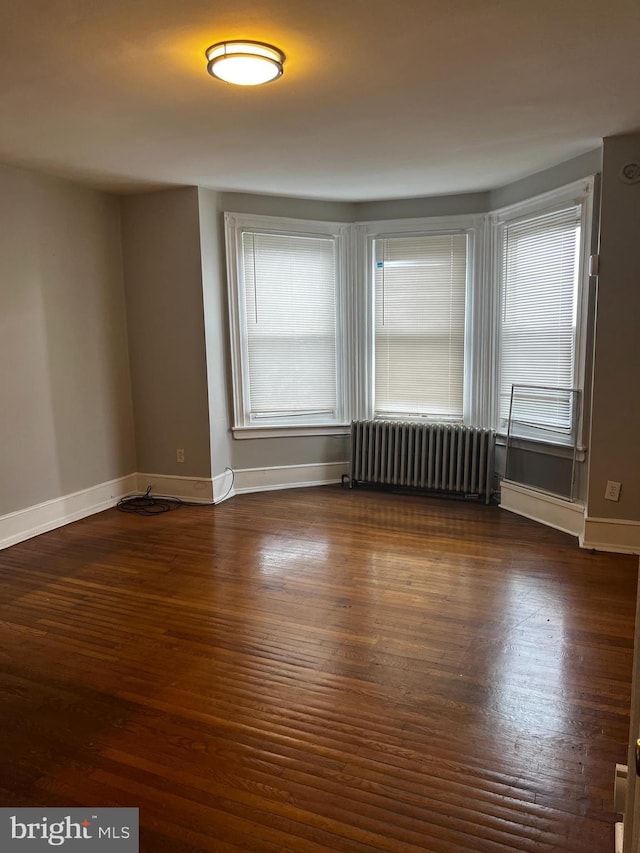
<point x="538" y="316"/>
<point x="290" y="288"/>
<point x="420" y="285"/>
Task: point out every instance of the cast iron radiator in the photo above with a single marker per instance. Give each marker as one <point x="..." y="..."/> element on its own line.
<point x="435" y="457"/>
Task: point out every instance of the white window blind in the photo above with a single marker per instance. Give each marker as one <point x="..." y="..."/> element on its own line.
<point x="420" y="287"/>
<point x="290" y="294"/>
<point x="538" y="316"/>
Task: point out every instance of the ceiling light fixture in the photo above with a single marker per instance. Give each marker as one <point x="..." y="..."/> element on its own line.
<point x="245" y="63"/>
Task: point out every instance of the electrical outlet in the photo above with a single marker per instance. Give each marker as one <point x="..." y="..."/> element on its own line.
<point x="180" y="454"/>
<point x="612" y="492"/>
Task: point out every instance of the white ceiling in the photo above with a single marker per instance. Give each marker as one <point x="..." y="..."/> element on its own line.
<point x="378" y="99"/>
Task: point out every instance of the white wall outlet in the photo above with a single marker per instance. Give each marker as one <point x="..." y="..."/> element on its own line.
<point x="180" y="454"/>
<point x="612" y="492"/>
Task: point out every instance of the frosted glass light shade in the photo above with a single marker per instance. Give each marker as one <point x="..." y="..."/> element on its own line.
<point x="244" y="63"/>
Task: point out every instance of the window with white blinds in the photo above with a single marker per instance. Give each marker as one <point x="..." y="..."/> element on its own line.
<point x="289" y="308"/>
<point x="539" y="299"/>
<point x="419" y="334"/>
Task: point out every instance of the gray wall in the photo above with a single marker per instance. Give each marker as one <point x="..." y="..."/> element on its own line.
<point x="175" y="283"/>
<point x="70" y="414"/>
<point x="615" y="414"/>
<point x="163" y="287"/>
<point x="406" y="208"/>
<point x="294" y="450"/>
<point x="298" y="208"/>
<point x="543" y="182"/>
<point x="66" y="420"/>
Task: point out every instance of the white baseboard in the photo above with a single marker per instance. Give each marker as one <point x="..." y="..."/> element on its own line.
<point x="611" y="534"/>
<point x="25" y="523"/>
<point x="17" y="526"/>
<point x="619" y="837"/>
<point x="243" y="480"/>
<point x="546" y="509"/>
<point x="193" y="489"/>
<point x="601" y="534"/>
<point x="288" y="476"/>
<point x="224" y="486"/>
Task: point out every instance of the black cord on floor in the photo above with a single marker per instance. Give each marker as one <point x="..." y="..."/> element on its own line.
<point x="149" y="504"/>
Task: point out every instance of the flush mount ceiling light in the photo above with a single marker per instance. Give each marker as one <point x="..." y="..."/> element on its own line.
<point x="245" y="63"/>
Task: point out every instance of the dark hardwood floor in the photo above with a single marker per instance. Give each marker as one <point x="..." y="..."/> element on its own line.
<point x="320" y="670"/>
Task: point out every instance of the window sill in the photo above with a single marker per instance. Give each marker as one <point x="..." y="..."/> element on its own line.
<point x="273" y="431"/>
<point x="548" y="448"/>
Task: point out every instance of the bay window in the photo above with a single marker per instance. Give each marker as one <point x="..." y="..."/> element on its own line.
<point x="426" y="318"/>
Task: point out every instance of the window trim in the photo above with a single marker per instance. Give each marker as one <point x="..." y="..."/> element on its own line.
<point x="473" y="226"/>
<point x="581" y="193"/>
<point x="235" y="225"/>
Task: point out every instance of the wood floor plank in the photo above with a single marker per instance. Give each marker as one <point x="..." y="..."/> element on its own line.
<point x="320" y="670"/>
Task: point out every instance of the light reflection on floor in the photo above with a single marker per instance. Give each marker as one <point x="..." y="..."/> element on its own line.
<point x="530" y="658"/>
<point x="278" y="556"/>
